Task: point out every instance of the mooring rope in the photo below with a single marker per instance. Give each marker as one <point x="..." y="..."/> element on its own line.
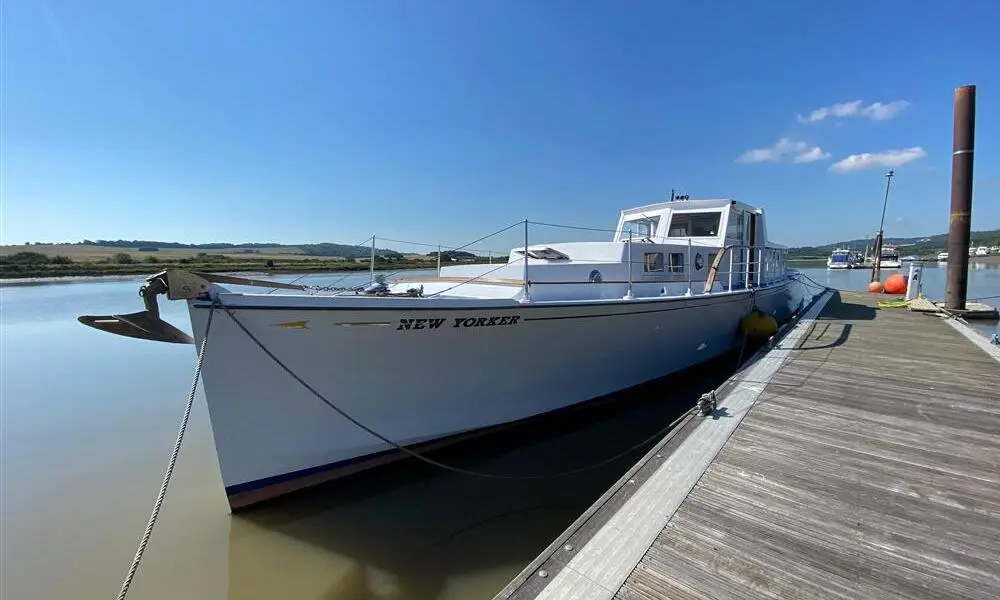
<point x="822" y="287"/>
<point x="170" y="465"/>
<point x="423" y="458"/>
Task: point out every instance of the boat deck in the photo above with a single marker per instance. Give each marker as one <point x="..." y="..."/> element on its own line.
<point x="860" y="458"/>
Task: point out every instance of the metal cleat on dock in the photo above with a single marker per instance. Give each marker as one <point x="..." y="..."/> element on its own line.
<point x="707" y="403"/>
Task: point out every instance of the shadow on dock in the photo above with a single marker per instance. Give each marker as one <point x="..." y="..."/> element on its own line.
<point x="831" y="329"/>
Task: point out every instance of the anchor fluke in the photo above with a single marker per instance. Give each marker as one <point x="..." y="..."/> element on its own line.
<point x="147" y="324"/>
<point x="175" y="284"/>
<point x="141" y="325"/>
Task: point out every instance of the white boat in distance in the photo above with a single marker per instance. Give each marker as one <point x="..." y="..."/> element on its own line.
<point x="890" y="258"/>
<point x="425" y="360"/>
<point x="840" y="258"/>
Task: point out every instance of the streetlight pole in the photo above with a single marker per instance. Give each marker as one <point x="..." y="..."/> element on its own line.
<point x="877" y="262"/>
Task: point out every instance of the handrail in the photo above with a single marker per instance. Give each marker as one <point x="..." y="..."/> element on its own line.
<point x="770" y="261"/>
<point x="761" y="264"/>
<point x="527" y="284"/>
<point x="503" y="281"/>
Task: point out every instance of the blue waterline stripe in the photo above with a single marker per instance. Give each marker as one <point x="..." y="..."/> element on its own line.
<point x="257" y="484"/>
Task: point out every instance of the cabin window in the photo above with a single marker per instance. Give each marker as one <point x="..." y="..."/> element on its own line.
<point x="638" y="229"/>
<point x="699" y="262"/>
<point x="652" y="262"/>
<point x="734" y="230"/>
<point x="595" y="276"/>
<point x="703" y="224"/>
<point x="676" y="262"/>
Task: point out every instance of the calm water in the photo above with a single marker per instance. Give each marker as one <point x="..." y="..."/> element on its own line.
<point x="88" y="420"/>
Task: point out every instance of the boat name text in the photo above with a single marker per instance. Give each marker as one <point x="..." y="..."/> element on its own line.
<point x="458" y="322"/>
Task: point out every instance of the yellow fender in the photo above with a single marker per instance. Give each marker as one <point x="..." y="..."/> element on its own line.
<point x="758" y="325"/>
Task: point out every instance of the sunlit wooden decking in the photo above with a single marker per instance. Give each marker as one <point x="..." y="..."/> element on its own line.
<point x="858" y="459"/>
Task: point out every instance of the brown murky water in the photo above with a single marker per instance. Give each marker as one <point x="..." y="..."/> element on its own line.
<point x="88" y="420"/>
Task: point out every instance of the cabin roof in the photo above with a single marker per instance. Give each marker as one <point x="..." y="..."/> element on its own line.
<point x="688" y="205"/>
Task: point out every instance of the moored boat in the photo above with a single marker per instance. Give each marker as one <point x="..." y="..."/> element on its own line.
<point x="889" y="258"/>
<point x="305" y="385"/>
<point x="840" y="258"/>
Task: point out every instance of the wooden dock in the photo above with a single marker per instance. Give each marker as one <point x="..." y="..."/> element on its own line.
<point x="859" y="458"/>
<point x="973" y="310"/>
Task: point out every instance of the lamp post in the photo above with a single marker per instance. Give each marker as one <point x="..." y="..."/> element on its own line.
<point x="877" y="262"/>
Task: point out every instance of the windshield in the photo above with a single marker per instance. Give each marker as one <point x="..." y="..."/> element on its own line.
<point x="638" y="229"/>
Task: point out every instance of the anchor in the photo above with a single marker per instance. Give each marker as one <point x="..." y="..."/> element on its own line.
<point x="175" y="284"/>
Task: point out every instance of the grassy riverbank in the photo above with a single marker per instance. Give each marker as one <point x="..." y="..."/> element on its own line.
<point x="44" y="262"/>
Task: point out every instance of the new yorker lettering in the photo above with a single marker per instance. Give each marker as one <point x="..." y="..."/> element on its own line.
<point x="458" y="322"/>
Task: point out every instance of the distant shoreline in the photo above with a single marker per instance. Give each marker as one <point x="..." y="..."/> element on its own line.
<point x="83" y="271"/>
<point x="62" y="261"/>
<point x="986" y="260"/>
<point x="43" y="268"/>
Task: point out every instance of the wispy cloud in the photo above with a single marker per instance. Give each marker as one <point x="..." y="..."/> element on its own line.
<point x="868" y="160"/>
<point x="799" y="151"/>
<point x="876" y="111"/>
<point x="811" y="155"/>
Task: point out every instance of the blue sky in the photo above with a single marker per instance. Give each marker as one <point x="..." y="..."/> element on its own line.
<point x="442" y="120"/>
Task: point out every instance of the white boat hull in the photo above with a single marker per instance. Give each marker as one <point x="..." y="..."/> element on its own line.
<point x="416" y="375"/>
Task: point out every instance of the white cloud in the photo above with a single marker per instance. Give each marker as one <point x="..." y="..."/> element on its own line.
<point x="868" y="160"/>
<point x="845" y="109"/>
<point x="811" y="155"/>
<point x="876" y="111"/>
<point x="800" y="151"/>
<point x="882" y="112"/>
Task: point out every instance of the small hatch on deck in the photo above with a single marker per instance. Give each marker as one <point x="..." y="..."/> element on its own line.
<point x="544" y="253"/>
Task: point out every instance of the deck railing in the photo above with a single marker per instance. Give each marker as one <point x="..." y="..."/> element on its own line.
<point x="733" y="271"/>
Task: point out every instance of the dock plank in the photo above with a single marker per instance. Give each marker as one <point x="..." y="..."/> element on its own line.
<point x="868" y="467"/>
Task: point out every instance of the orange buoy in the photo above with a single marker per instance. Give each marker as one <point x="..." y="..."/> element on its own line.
<point x="895" y="284"/>
<point x="875" y="287"/>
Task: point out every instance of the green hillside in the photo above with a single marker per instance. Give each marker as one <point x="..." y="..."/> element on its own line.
<point x="917" y="246"/>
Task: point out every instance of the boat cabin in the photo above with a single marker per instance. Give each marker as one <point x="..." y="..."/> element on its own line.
<point x="890" y="253"/>
<point x="664" y="249"/>
<point x="707" y="222"/>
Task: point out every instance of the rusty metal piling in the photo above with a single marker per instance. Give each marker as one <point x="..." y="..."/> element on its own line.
<point x="960" y="225"/>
